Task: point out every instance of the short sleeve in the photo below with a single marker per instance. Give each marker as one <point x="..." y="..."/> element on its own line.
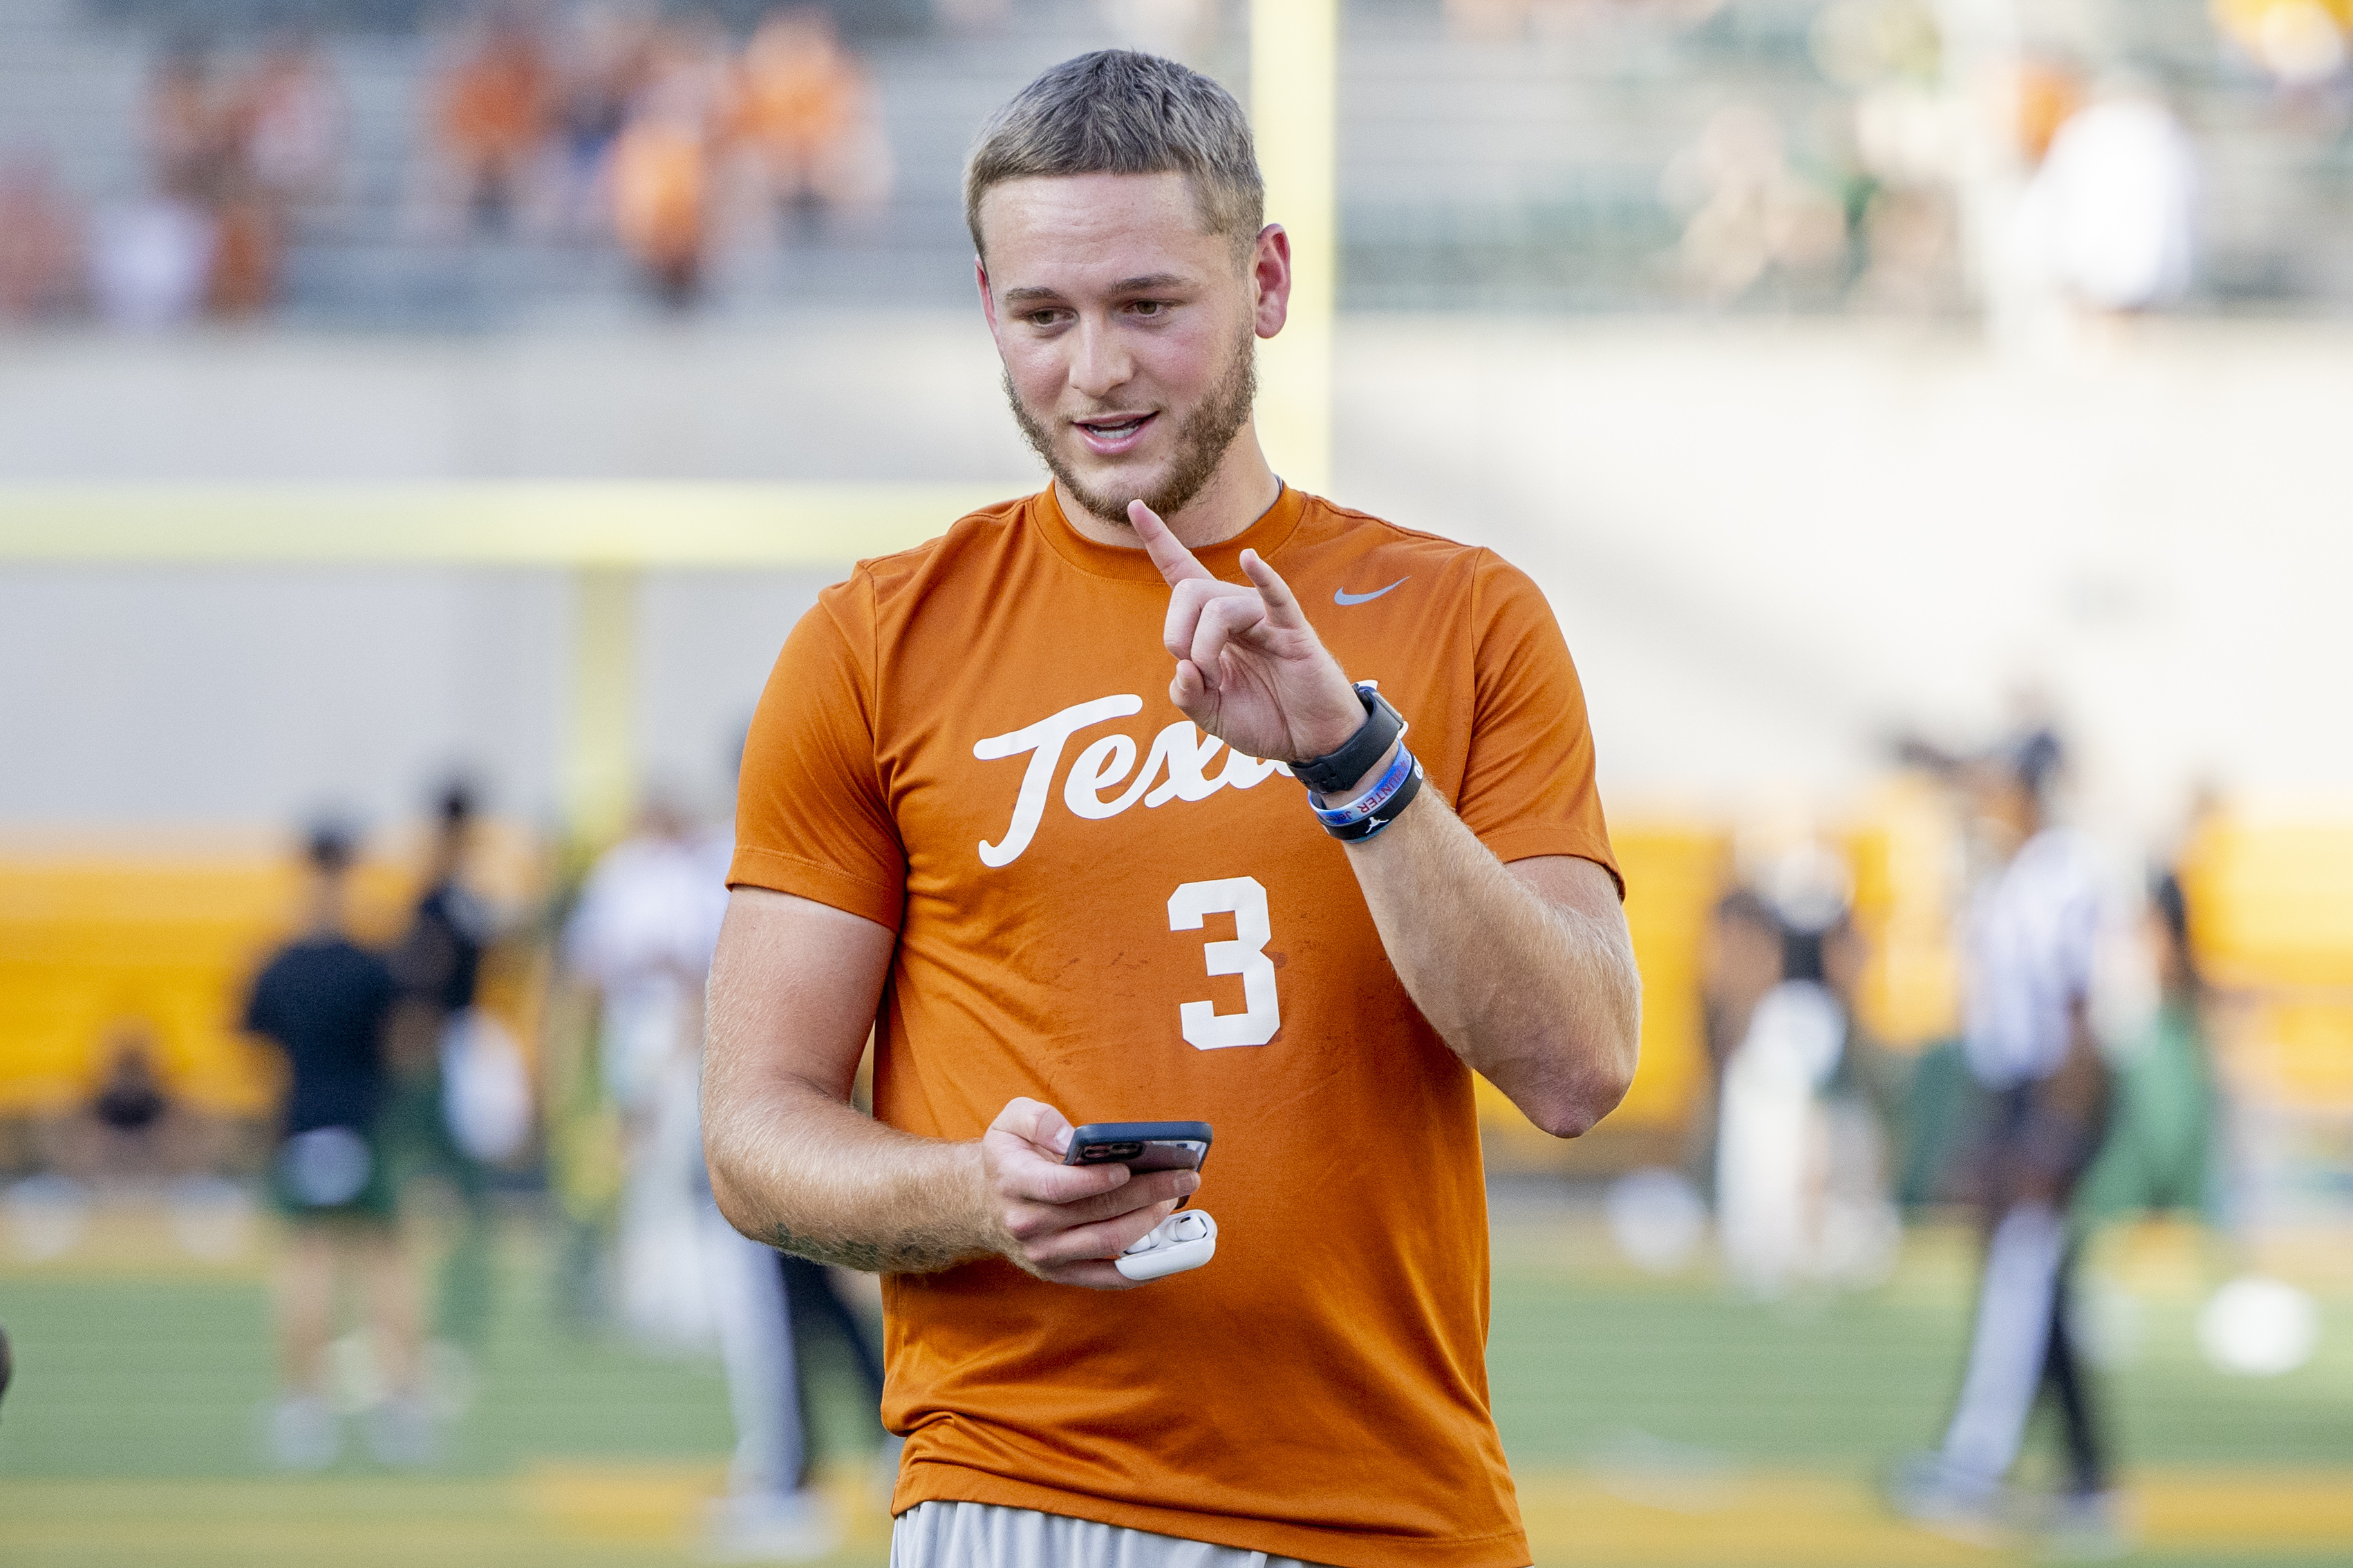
<point x="1527" y="783"/>
<point x="261" y="1010"/>
<point x="810" y="817"/>
<point x="2082" y="914"/>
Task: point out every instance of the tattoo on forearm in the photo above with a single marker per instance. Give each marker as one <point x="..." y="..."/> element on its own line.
<point x="907" y="1254"/>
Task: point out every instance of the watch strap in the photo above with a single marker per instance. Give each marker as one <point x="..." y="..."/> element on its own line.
<point x="1336" y="770"/>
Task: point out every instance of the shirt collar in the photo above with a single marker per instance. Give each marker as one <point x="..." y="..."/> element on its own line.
<point x="1267" y="534"/>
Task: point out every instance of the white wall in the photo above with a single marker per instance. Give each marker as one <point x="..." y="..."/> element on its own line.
<point x="1771" y="544"/>
<point x="252" y="696"/>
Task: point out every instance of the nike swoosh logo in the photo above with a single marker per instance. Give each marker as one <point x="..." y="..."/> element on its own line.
<point x="1342" y="595"/>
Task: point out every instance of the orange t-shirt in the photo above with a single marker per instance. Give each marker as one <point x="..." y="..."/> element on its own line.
<point x="972" y="743"/>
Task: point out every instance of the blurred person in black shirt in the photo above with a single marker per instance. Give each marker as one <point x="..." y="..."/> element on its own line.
<point x="440" y="959"/>
<point x="131" y="1101"/>
<point x="131" y="1127"/>
<point x="438" y="969"/>
<point x="324" y="1001"/>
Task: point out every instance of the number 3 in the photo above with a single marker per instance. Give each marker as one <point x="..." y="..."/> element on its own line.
<point x="1206" y="1028"/>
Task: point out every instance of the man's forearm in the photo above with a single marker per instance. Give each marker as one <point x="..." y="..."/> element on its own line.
<point x="1543" y="999"/>
<point x="808" y="1175"/>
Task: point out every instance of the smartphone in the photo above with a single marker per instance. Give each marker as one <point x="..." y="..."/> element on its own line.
<point x="1141" y="1145"/>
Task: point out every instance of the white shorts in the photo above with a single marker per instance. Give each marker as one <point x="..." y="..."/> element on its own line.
<point x="984" y="1535"/>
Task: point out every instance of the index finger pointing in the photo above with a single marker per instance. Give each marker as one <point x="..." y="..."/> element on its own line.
<point x="1176" y="563"/>
<point x="1282" y="605"/>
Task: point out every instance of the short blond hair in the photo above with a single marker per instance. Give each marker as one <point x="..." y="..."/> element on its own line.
<point x="1117" y="111"/>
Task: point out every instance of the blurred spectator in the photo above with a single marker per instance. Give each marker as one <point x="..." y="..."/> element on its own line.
<point x="285" y="127"/>
<point x="131" y="1103"/>
<point x="491" y="119"/>
<point x="325" y="1002"/>
<point x="150" y="261"/>
<point x="248" y="249"/>
<point x="662" y="180"/>
<point x="40" y="243"/>
<point x="806" y="116"/>
<point x="604" y="67"/>
<point x="196" y="134"/>
<point x="230" y="160"/>
<point x="2301" y="43"/>
<point x="2048" y="94"/>
<point x="153" y="259"/>
<point x="293" y="124"/>
<point x="1907" y="146"/>
<point x="1750" y="216"/>
<point x="2034" y="927"/>
<point x="2109" y="219"/>
<point x="662" y="174"/>
<point x="190" y="136"/>
<point x="130" y="1128"/>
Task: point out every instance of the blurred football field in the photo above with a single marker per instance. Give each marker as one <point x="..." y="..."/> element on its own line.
<point x="1651" y="1421"/>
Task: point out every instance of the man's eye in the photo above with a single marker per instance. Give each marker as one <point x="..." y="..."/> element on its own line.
<point x="1150" y="307"/>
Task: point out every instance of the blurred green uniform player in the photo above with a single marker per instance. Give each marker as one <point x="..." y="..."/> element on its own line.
<point x="2160" y="1150"/>
<point x="439" y="967"/>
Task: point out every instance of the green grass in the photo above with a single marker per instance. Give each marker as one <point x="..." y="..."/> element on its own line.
<point x="1850" y="1382"/>
<point x="150" y="1380"/>
<point x="167" y="1378"/>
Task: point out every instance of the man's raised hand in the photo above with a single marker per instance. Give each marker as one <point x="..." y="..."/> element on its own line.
<point x="1249" y="669"/>
<point x="1067" y="1223"/>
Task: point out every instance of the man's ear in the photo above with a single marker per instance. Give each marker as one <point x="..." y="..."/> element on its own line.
<point x="988" y="298"/>
<point x="1270" y="280"/>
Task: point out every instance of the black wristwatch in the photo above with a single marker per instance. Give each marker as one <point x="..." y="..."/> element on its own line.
<point x="1336" y="770"/>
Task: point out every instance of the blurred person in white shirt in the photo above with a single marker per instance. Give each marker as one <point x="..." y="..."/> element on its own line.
<point x="1800" y="1169"/>
<point x="2035" y="925"/>
<point x="2108" y="220"/>
<point x="643" y="935"/>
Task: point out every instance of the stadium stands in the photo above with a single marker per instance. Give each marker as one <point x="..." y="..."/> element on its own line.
<point x="1482" y="173"/>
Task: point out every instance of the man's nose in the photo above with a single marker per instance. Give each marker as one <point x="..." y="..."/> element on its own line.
<point x="1100" y="363"/>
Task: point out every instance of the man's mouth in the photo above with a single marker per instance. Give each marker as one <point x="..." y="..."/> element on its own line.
<point x="1114" y="434"/>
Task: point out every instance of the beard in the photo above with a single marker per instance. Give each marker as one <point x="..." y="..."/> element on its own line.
<point x="1202" y="441"/>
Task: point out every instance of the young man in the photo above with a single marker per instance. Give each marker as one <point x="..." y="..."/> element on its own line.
<point x="325" y="1002"/>
<point x="1014" y="800"/>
